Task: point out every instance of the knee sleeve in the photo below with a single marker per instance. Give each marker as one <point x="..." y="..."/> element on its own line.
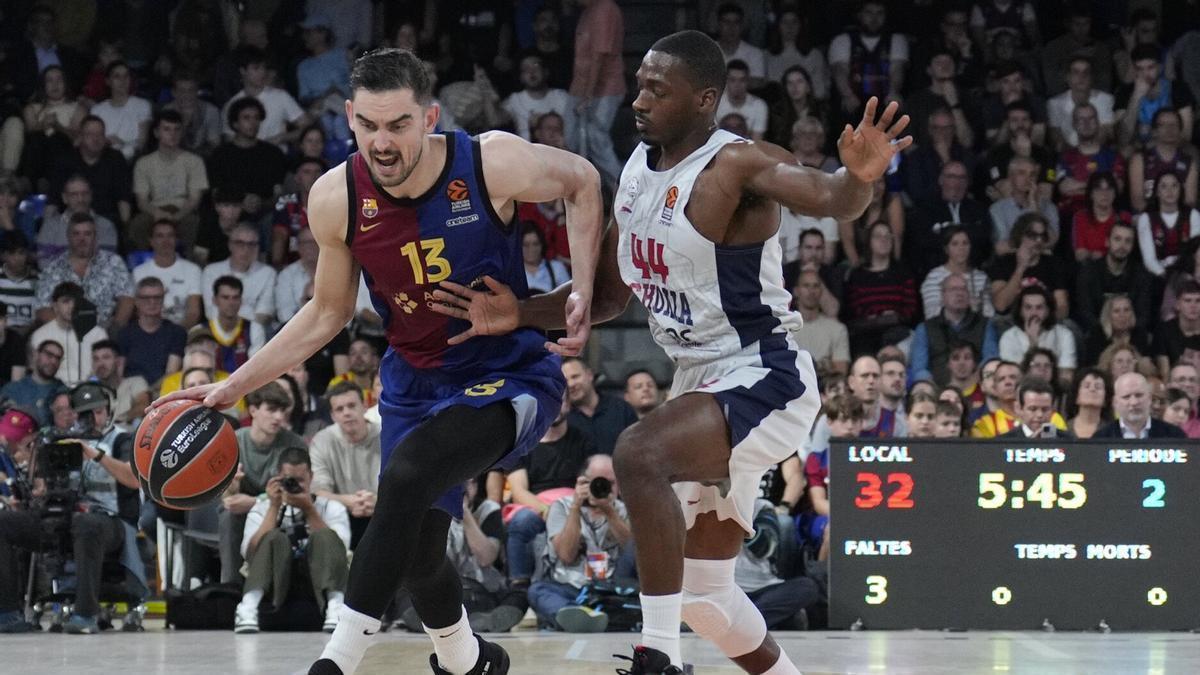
<point x="717" y="610"/>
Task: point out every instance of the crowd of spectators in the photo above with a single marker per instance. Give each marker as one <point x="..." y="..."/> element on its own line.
<point x="1028" y="267"/>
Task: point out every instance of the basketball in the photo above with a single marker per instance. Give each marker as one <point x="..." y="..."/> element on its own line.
<point x="185" y="454"/>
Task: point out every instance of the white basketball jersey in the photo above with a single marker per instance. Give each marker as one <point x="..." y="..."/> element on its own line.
<point x="706" y="301"/>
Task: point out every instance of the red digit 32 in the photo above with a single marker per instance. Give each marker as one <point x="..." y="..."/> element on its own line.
<point x="870" y="493"/>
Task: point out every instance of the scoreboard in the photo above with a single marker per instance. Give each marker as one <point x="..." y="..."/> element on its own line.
<point x="1012" y="534"/>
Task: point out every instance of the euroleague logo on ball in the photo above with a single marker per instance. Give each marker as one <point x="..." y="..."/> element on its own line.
<point x="169" y="456"/>
<point x="459" y="195"/>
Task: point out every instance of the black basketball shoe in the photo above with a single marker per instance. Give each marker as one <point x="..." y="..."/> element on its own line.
<point x="649" y="661"/>
<point x="493" y="660"/>
<point x="324" y="667"/>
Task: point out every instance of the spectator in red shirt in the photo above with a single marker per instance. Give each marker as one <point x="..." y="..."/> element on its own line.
<point x="1090" y="226"/>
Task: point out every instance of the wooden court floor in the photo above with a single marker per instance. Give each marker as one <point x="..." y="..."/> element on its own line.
<point x="164" y="652"/>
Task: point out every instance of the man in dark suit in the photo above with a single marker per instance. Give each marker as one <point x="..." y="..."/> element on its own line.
<point x="1035" y="408"/>
<point x="40" y="50"/>
<point x="924" y="246"/>
<point x="1131" y="402"/>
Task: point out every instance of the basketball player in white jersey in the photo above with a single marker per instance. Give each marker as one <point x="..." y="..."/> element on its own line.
<point x="697" y="215"/>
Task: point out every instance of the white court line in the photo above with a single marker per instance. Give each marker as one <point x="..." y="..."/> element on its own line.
<point x="576" y="649"/>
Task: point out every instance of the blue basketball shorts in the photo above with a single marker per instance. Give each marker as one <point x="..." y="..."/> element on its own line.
<point x="410" y="398"/>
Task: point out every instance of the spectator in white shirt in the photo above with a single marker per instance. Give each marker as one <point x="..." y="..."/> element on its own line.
<point x="181" y="278"/>
<point x="1061" y="108"/>
<point x="258" y="280"/>
<point x="76" y="363"/>
<point x="282" y="110"/>
<point x="126" y="117"/>
<point x="538" y="98"/>
<point x="1034" y="326"/>
<point x="730" y="29"/>
<point x="293" y="279"/>
<point x="738" y="99"/>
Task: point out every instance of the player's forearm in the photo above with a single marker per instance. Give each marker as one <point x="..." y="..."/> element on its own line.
<point x="848" y="197"/>
<point x="585" y="228"/>
<point x="311" y="329"/>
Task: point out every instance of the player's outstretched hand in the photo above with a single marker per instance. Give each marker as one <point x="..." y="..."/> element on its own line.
<point x="217" y="395"/>
<point x="491" y="312"/>
<point x="579" y="327"/>
<point x="867" y="151"/>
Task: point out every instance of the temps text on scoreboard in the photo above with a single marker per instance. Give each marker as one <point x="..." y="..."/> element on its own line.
<point x="1013" y="534"/>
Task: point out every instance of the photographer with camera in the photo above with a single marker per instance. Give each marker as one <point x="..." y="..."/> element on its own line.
<point x="86" y="477"/>
<point x="590" y="541"/>
<point x="287" y="528"/>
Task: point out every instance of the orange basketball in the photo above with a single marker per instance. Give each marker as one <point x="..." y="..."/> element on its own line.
<point x="185" y="454"/>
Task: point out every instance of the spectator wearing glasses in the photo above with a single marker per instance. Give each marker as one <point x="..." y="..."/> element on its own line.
<point x="36" y="390"/>
<point x="258" y="279"/>
<point x="1026" y="265"/>
<point x="153" y="345"/>
<point x="1024" y="197"/>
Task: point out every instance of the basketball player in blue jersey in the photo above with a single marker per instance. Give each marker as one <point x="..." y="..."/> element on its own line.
<point x="410" y="209"/>
<point x="697" y="214"/>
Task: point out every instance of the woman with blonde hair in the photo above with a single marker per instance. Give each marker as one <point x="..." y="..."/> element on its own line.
<point x="1118" y="323"/>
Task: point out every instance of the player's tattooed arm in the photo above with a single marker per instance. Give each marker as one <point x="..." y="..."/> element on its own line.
<point x="866" y="151"/>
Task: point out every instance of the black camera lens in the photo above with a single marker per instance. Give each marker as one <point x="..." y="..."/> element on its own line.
<point x="291" y="485"/>
<point x="600" y="487"/>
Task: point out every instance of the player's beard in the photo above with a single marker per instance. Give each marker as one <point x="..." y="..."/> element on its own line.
<point x="405" y="169"/>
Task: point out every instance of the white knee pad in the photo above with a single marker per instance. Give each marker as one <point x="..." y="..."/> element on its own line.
<point x="717" y="610"/>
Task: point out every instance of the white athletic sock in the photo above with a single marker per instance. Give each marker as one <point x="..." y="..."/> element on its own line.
<point x="783" y="666"/>
<point x="660" y="624"/>
<point x="350" y="640"/>
<point x="252" y="598"/>
<point x="456" y="647"/>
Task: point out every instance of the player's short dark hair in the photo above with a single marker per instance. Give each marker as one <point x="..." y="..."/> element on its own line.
<point x="702" y="58"/>
<point x="228" y="281"/>
<point x="236" y="108"/>
<point x="737" y="64"/>
<point x="812" y="232"/>
<point x="321" y="164"/>
<point x="92" y="119"/>
<point x="295" y="456"/>
<point x="389" y="68"/>
<point x="1033" y="385"/>
<point x="271" y="395"/>
<point x="344" y="387"/>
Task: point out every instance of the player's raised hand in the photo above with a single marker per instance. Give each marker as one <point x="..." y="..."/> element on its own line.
<point x="867" y="150"/>
<point x="491" y="312"/>
<point x="579" y="327"/>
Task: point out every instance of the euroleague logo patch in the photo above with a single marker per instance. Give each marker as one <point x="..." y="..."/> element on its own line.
<point x="459" y="195"/>
<point x="369" y="208"/>
<point x="668" y="211"/>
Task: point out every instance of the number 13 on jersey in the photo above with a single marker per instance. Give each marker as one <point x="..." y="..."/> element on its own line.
<point x="431" y="267"/>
